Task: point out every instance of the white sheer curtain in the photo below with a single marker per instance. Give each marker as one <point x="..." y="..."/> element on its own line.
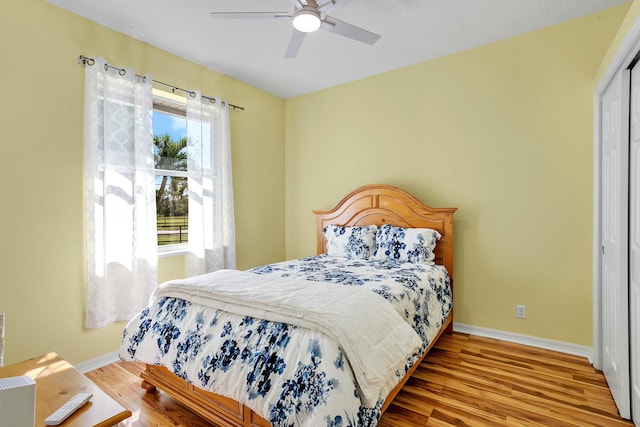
<point x="211" y="223"/>
<point x="120" y="211"/>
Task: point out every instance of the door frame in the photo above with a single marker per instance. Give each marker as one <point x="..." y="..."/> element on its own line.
<point x="620" y="63"/>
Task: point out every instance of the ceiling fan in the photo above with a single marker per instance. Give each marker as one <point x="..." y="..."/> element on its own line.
<point x="308" y="16"/>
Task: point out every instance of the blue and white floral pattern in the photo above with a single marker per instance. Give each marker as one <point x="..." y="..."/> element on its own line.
<point x="406" y="244"/>
<point x="351" y="242"/>
<point x="291" y="376"/>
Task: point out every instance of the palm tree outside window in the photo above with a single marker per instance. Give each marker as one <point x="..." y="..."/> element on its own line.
<point x="170" y="159"/>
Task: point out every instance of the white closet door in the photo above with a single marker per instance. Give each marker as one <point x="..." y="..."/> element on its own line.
<point x="615" y="291"/>
<point x="634" y="243"/>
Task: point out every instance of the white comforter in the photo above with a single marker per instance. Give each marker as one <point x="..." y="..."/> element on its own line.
<point x="375" y="339"/>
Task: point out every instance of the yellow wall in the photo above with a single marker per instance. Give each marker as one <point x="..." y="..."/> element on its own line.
<point x="504" y="133"/>
<point x="41" y="237"/>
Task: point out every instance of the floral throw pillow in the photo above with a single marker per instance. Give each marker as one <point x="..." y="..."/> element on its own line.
<point x="351" y="242"/>
<point x="414" y="245"/>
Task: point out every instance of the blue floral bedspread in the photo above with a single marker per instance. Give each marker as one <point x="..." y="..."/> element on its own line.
<point x="291" y="376"/>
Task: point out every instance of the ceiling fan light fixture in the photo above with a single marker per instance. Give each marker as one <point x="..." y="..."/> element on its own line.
<point x="306" y="20"/>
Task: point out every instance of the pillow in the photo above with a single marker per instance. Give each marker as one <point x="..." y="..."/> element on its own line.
<point x="351" y="242"/>
<point x="406" y="244"/>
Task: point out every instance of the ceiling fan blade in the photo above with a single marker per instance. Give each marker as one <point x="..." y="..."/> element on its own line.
<point x="347" y="30"/>
<point x="294" y="44"/>
<point x="298" y="3"/>
<point x="331" y="5"/>
<point x="250" y="15"/>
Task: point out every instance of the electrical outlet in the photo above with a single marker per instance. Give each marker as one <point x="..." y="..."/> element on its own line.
<point x="521" y="311"/>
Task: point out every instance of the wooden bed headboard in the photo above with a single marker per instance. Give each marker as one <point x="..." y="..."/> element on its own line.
<point x="380" y="204"/>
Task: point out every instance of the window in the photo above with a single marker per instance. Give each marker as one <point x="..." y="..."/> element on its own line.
<point x="121" y="186"/>
<point x="170" y="157"/>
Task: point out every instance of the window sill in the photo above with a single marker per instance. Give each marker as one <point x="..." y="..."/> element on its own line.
<point x="172" y="250"/>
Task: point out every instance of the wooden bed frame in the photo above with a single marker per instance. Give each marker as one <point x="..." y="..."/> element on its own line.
<point x="377" y="204"/>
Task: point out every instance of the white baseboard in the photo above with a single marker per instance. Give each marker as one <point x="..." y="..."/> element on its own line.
<point x="98" y="362"/>
<point x="547" y="344"/>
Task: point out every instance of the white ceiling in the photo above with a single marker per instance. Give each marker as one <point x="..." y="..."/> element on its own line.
<point x="252" y="51"/>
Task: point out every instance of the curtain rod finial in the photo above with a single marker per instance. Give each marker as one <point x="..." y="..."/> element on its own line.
<point x="85" y="60"/>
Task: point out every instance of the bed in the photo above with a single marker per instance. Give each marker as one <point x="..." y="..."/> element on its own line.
<point x="305" y="368"/>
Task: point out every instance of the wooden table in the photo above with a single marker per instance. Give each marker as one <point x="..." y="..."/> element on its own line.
<point x="56" y="382"/>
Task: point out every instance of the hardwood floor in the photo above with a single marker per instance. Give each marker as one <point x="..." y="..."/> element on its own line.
<point x="465" y="381"/>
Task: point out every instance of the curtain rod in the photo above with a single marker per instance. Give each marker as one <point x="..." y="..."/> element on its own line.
<point x="85" y="60"/>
